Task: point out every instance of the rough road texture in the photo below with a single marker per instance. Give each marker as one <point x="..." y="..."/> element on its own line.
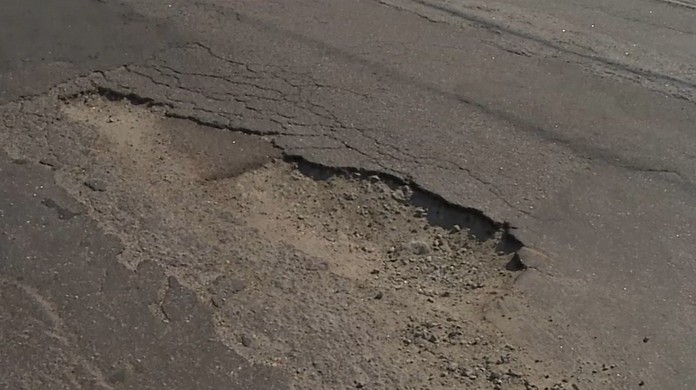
<point x="573" y="123"/>
<point x="72" y="317"/>
<point x="338" y="281"/>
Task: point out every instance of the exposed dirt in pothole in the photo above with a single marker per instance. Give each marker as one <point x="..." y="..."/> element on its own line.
<point x="369" y="230"/>
<point x="346" y="281"/>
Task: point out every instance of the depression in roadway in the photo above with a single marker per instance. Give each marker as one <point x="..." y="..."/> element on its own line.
<point x="373" y="194"/>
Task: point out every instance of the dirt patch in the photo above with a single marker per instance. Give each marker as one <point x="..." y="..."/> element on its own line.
<point x="208" y="153"/>
<point x="344" y="279"/>
<point x="367" y="229"/>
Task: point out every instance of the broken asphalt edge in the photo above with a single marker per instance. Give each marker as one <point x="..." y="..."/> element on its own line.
<point x="501" y="231"/>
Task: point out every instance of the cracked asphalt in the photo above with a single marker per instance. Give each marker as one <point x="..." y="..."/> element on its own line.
<point x="573" y="123"/>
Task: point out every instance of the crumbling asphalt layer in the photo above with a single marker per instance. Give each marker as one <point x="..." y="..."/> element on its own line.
<point x="586" y="154"/>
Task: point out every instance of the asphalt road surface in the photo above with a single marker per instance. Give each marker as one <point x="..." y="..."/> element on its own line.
<point x="570" y="123"/>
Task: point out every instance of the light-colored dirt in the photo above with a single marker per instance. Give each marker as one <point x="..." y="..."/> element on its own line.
<point x="338" y="278"/>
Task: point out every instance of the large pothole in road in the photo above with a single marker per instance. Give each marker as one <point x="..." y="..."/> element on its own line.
<point x="345" y="278"/>
<point x="361" y="224"/>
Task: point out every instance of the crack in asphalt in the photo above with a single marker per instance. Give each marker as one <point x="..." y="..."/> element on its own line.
<point x="437" y="163"/>
<point x="506" y="237"/>
<point x="578" y="146"/>
<point x="382" y="149"/>
<point x="302" y="112"/>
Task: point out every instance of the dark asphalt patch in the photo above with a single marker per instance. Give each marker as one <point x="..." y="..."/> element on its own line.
<point x="71" y="316"/>
<point x="43" y="44"/>
<point x="219" y="153"/>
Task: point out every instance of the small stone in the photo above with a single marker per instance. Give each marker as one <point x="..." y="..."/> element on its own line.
<point x="407" y="191"/>
<point x="419" y="247"/>
<point x="374" y="179"/>
<point x="223" y="288"/>
<point x="246" y="340"/>
<point x="420" y="212"/>
<point x="513" y="374"/>
<point x="379" y="295"/>
<point x="96" y="185"/>
<point x="399" y="195"/>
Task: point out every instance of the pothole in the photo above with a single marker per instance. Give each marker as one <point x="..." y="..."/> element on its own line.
<point x="364" y="226"/>
<point x="367" y="228"/>
<point x="347" y="279"/>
